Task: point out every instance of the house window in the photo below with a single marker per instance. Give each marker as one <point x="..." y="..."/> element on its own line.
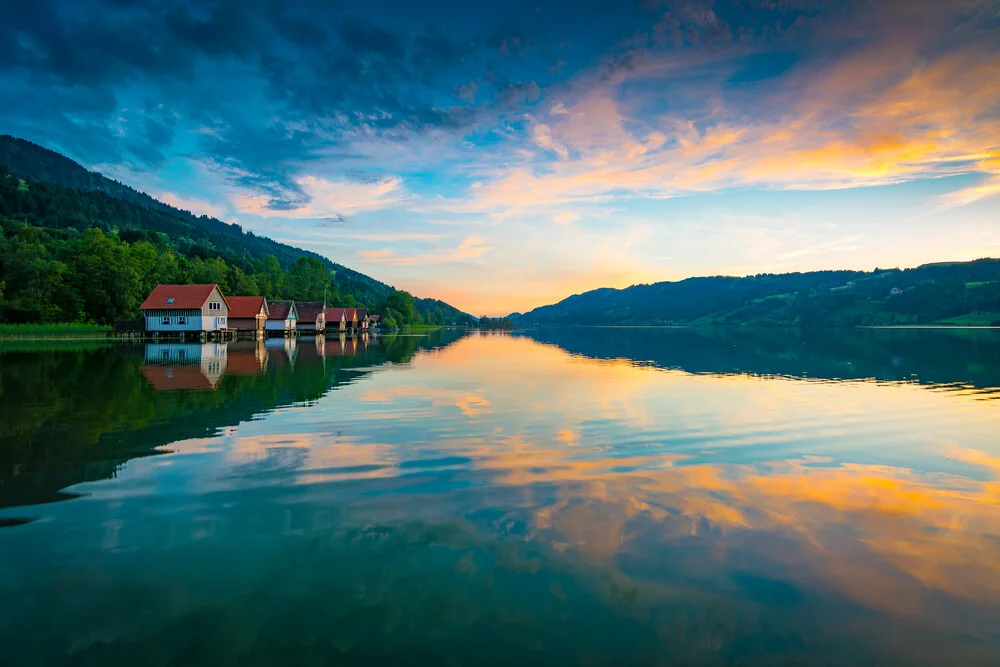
<point x="166" y="320"/>
<point x="214" y="305"/>
<point x="182" y="320"/>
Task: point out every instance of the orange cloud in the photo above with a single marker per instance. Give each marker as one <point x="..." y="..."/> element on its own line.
<point x="862" y="121"/>
<point x="472" y="247"/>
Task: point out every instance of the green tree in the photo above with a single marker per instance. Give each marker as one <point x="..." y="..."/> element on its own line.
<point x="238" y="283"/>
<point x="269" y="277"/>
<point x="212" y="271"/>
<point x="308" y="280"/>
<point x="403" y="307"/>
<point x="105" y="277"/>
<point x="33" y="280"/>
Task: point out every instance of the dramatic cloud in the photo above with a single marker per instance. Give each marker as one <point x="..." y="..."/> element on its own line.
<point x="565" y="146"/>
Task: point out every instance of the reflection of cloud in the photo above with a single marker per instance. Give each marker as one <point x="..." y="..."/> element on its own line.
<point x="568" y="437"/>
<point x="473" y="405"/>
<point x="603" y="467"/>
<point x="867" y="531"/>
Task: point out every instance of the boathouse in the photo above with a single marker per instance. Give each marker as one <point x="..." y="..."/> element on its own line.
<point x="247" y="314"/>
<point x="336" y="319"/>
<point x="281" y="318"/>
<point x="311" y="317"/>
<point x="182" y="309"/>
<point x="351" y="318"/>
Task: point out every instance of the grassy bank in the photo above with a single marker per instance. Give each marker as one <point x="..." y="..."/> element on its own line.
<point x="420" y="327"/>
<point x="52" y="331"/>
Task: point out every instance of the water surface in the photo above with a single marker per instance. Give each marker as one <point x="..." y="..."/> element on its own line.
<point x="570" y="496"/>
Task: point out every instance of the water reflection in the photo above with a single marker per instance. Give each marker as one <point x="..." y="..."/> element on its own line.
<point x="497" y="500"/>
<point x="77" y="413"/>
<point x="951" y="359"/>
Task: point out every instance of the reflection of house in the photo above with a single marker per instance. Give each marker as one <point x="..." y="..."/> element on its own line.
<point x="247" y="313"/>
<point x="281" y="317"/>
<point x="311" y="316"/>
<point x="281" y="351"/>
<point x="336" y="319"/>
<point x="187" y="366"/>
<point x="247" y="358"/>
<point x="185" y="309"/>
<point x="343" y="346"/>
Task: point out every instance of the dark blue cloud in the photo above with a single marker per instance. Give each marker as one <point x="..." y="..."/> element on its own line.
<point x="263" y="86"/>
<point x="760" y="66"/>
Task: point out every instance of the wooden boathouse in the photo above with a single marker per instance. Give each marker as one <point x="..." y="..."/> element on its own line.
<point x="186" y="311"/>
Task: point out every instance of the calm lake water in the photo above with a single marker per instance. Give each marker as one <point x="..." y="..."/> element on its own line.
<point x="573" y="496"/>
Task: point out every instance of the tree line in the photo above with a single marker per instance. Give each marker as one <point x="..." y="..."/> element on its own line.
<point x="76" y="256"/>
<point x="495" y="323"/>
<point x="66" y="275"/>
<point x="61" y="247"/>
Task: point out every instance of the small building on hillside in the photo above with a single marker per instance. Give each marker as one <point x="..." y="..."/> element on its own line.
<point x="248" y="314"/>
<point x="281" y="318"/>
<point x="336" y="319"/>
<point x="184" y="309"/>
<point x="895" y="291"/>
<point x="311" y="317"/>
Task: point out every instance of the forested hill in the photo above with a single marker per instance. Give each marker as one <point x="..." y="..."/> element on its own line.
<point x="945" y="293"/>
<point x="61" y="199"/>
<point x="35" y="164"/>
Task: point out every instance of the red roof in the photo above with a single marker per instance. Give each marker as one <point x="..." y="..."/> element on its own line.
<point x="279" y="310"/>
<point x="309" y="311"/>
<point x="245" y="307"/>
<point x="336" y="314"/>
<point x="179" y="297"/>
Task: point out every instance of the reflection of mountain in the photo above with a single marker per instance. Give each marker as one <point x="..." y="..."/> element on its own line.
<point x="958" y="357"/>
<point x="74" y="415"/>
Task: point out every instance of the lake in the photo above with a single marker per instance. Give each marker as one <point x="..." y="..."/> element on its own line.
<point x="565" y="496"/>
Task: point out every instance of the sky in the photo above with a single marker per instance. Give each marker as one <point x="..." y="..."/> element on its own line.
<point x="502" y="156"/>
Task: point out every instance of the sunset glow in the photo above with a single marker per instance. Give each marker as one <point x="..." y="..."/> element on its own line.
<point x="506" y="158"/>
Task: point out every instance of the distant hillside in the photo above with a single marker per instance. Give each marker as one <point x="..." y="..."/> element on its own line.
<point x="947" y="293"/>
<point x="59" y="193"/>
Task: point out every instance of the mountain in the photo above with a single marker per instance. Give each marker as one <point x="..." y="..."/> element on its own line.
<point x="946" y="293"/>
<point x="58" y="193"/>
